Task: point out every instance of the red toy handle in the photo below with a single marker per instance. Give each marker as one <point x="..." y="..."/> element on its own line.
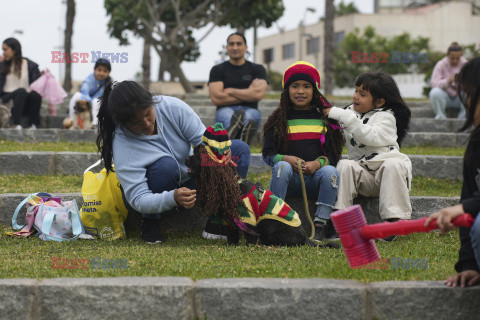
<point x="404" y="227"/>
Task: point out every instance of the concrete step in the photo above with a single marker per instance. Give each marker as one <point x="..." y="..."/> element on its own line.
<point x="434" y="139"/>
<point x="192" y="219"/>
<point x="40" y="163"/>
<point x="183" y="298"/>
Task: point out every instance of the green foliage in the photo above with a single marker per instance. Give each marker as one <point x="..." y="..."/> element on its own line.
<point x="344" y="9"/>
<point x="370" y="42"/>
<point x="265" y="12"/>
<point x="275" y="79"/>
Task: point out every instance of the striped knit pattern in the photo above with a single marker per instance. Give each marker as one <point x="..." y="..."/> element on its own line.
<point x="305" y="129"/>
<point x="265" y="205"/>
<point x="301" y="70"/>
<point x="216" y="138"/>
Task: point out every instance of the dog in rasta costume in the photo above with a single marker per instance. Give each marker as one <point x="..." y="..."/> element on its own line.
<point x="241" y="204"/>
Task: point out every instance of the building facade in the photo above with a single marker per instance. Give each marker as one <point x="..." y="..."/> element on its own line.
<point x="442" y="22"/>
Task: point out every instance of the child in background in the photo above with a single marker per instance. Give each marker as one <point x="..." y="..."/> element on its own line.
<point x="374" y="127"/>
<point x="468" y="82"/>
<point x="92" y="89"/>
<point x="298" y="130"/>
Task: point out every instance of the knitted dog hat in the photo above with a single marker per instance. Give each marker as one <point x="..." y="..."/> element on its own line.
<point x="216" y="142"/>
<point x="301" y="70"/>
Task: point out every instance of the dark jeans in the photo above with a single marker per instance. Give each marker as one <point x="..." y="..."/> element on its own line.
<point x="24" y="103"/>
<point x="163" y="175"/>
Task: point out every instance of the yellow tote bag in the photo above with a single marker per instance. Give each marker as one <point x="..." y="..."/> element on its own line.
<point x="103" y="212"/>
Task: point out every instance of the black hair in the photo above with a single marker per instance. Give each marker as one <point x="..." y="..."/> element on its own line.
<point x="277" y="123"/>
<point x="468" y="87"/>
<point x="454" y="47"/>
<point x="382" y="86"/>
<point x="15" y="45"/>
<point x="238" y="34"/>
<point x="118" y="106"/>
<point x="104" y="63"/>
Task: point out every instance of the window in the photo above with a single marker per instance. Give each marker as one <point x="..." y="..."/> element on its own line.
<point x="313" y="45"/>
<point x="289" y="51"/>
<point x="339" y="36"/>
<point x="268" y="55"/>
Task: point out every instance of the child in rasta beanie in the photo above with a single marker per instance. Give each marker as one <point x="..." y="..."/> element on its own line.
<point x="298" y="131"/>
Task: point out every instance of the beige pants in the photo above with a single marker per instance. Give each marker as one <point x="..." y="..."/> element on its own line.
<point x="389" y="183"/>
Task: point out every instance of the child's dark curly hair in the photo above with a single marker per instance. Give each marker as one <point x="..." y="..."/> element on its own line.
<point x="382" y="86"/>
<point x="277" y="123"/>
<point x="217" y="187"/>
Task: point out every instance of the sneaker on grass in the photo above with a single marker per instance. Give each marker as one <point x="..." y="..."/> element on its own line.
<point x="214" y="231"/>
<point x="151" y="231"/>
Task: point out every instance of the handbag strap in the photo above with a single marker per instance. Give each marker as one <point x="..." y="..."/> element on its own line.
<point x="93" y="166"/>
<point x="15" y="224"/>
<point x="77" y="227"/>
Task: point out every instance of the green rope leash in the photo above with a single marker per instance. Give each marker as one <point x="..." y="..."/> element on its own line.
<point x="305" y="200"/>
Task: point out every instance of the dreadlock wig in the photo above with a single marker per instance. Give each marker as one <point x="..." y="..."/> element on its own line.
<point x="217" y="187"/>
<point x="277" y="122"/>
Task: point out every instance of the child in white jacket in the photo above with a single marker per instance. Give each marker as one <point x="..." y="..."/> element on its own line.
<point x="374" y="127"/>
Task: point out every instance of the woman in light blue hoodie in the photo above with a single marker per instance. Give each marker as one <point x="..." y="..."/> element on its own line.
<point x="148" y="138"/>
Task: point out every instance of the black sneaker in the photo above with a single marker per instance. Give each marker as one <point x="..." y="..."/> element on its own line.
<point x="320" y="229"/>
<point x="330" y="232"/>
<point x="214" y="231"/>
<point x="388" y="239"/>
<point x="236" y="124"/>
<point x="151" y="231"/>
<point x="249" y="129"/>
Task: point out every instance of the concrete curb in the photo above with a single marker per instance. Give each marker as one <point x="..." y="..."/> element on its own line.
<point x="192" y="219"/>
<point x="38" y="163"/>
<point x="435" y="139"/>
<point x="239" y="298"/>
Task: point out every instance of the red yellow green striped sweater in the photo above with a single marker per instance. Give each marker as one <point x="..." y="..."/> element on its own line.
<point x="305" y="129"/>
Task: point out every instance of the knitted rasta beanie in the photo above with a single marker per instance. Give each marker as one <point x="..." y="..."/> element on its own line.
<point x="301" y="70"/>
<point x="216" y="141"/>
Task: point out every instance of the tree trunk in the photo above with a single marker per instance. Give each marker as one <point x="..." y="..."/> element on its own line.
<point x="329" y="48"/>
<point x="255" y="27"/>
<point x="170" y="62"/>
<point x="70" y="17"/>
<point x="178" y="72"/>
<point x="161" y="71"/>
<point x="146" y="64"/>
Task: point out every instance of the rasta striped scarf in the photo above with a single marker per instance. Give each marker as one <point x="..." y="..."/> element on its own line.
<point x="263" y="204"/>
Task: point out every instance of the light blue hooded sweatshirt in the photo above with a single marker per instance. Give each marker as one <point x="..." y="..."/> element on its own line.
<point x="178" y="128"/>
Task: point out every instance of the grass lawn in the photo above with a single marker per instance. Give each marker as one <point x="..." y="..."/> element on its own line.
<point x="186" y="254"/>
<point x="17" y="183"/>
<point x="10" y="146"/>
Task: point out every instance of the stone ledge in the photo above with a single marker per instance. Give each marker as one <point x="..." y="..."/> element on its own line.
<point x="436" y="139"/>
<point x="39" y="163"/>
<point x="238" y="298"/>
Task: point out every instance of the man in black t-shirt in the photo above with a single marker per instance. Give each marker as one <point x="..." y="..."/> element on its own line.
<point x="235" y="88"/>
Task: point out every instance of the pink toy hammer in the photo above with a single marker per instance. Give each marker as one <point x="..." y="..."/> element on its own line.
<point x="357" y="237"/>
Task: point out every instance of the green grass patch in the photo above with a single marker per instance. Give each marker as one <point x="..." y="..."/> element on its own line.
<point x="18" y="183"/>
<point x="73" y="183"/>
<point x="10" y="146"/>
<point x="186" y="254"/>
<point x="426" y="150"/>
